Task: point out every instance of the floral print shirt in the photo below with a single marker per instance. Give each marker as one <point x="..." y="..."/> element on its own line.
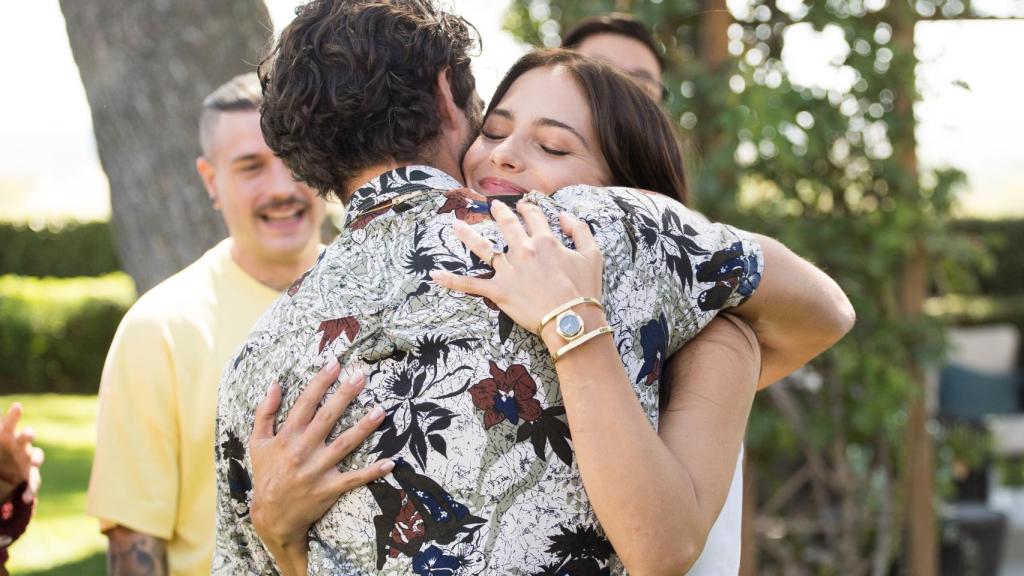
<point x="485" y="480"/>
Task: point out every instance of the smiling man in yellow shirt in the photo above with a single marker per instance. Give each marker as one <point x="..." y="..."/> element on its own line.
<point x="152" y="484"/>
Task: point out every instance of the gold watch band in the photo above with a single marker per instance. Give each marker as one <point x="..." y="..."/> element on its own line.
<point x="579" y="342"/>
<point x="558" y="310"/>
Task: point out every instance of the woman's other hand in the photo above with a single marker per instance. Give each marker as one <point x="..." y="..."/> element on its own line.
<point x="537" y="273"/>
<point x="295" y="471"/>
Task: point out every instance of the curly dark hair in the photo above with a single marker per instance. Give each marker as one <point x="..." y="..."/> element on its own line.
<point x="351" y="84"/>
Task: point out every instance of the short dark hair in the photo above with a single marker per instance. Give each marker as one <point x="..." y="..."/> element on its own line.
<point x="638" y="141"/>
<point x="239" y="94"/>
<point x="614" y="23"/>
<point x="351" y="84"/>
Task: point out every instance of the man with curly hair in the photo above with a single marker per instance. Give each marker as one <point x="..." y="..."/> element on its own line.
<point x="373" y="102"/>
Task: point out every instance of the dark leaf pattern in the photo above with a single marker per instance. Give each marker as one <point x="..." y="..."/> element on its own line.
<point x="239" y="483"/>
<point x="548" y="429"/>
<point x="580" y="551"/>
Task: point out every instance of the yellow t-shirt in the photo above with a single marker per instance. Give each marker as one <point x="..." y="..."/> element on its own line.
<point x="153" y="469"/>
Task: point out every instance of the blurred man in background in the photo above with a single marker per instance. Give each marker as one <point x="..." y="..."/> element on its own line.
<point x="625" y="43"/>
<point x="152" y="484"/>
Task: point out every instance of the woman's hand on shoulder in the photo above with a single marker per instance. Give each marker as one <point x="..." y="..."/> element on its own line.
<point x="295" y="469"/>
<point x="537" y="273"/>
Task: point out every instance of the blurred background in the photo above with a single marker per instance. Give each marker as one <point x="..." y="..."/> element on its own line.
<point x="880" y="139"/>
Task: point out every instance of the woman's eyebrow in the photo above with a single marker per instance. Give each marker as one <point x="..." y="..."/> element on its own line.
<point x="557" y="124"/>
<point x="501" y="112"/>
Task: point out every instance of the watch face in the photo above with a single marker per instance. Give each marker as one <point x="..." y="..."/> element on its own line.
<point x="569" y="324"/>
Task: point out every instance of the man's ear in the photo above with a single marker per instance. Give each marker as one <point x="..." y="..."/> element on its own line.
<point x="208" y="175"/>
<point x="446" y="108"/>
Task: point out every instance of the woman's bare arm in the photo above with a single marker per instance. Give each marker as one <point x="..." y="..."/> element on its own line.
<point x="657" y="494"/>
<point x="797" y="312"/>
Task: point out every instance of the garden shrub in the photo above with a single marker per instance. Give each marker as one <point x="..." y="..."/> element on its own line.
<point x="1002" y="239"/>
<point x="69" y="250"/>
<point x="54" y="333"/>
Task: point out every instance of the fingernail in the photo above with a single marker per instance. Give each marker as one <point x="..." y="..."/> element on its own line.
<point x="377" y="413"/>
<point x="332" y="363"/>
<point x="460" y="225"/>
<point x="387" y="466"/>
<point x="355" y="378"/>
<point x="437" y="275"/>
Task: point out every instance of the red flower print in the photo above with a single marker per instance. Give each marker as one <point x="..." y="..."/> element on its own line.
<point x="467" y="205"/>
<point x="506" y="395"/>
<point x="362" y="221"/>
<point x="409" y="527"/>
<point x="348" y="326"/>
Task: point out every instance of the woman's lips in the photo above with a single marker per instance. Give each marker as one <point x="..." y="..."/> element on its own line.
<point x="498" y="187"/>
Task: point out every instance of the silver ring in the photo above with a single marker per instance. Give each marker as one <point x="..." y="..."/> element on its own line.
<point x="495" y="252"/>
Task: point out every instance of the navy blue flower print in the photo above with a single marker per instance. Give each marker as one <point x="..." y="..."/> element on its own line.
<point x="654" y="342"/>
<point x="433" y="561"/>
<point x="731" y="271"/>
<point x="419" y="511"/>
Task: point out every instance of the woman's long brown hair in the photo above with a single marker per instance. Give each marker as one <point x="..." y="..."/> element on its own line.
<point x="636" y="137"/>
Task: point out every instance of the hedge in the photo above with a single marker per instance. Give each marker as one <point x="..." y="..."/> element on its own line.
<point x="54" y="333"/>
<point x="1004" y="240"/>
<point x="73" y="249"/>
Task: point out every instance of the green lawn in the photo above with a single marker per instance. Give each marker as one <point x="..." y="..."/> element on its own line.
<point x="61" y="539"/>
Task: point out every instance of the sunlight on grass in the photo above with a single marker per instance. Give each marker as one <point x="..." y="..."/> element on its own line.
<point x="61" y="539"/>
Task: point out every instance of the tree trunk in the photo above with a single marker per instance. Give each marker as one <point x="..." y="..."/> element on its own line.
<point x="919" y="465"/>
<point x="715" y="186"/>
<point x="146" y="67"/>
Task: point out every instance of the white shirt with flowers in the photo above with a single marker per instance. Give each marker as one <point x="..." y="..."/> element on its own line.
<point x="485" y="480"/>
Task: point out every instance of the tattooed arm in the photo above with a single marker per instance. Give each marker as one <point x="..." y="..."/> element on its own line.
<point x="130" y="553"/>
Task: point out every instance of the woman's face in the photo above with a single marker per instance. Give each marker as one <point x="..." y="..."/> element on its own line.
<point x="539" y="137"/>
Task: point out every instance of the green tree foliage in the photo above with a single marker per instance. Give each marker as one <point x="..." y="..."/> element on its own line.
<point x="830" y="170"/>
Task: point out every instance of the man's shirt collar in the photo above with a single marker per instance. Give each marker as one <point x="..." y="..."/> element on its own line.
<point x="396" y="182"/>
